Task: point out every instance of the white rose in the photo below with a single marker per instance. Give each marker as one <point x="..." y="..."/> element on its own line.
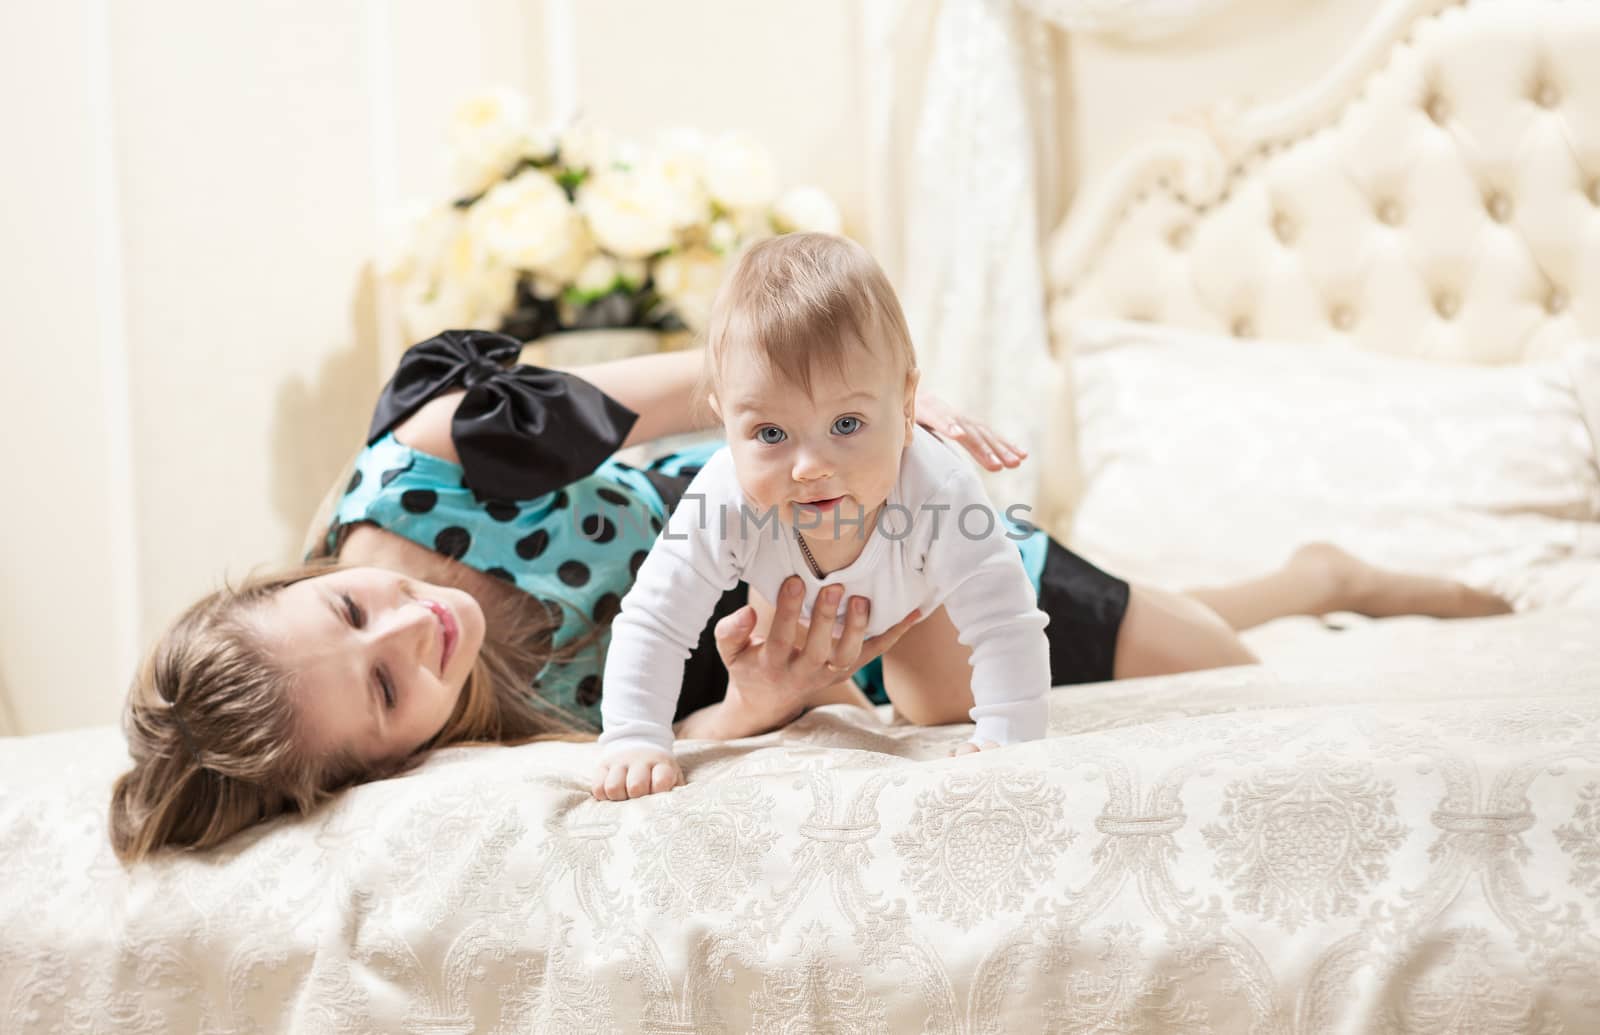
<point x="631" y="212"/>
<point x="580" y="251"/>
<point x="689" y="280"/>
<point x="487" y="285"/>
<point x="528" y="223"/>
<point x="739" y="173"/>
<point x="540" y="145"/>
<point x="598" y="276"/>
<point x="551" y="282"/>
<point x="806" y="208"/>
<point x="447" y="309"/>
<point x="415" y="237"/>
<point x="547" y="287"/>
<point x="464" y="288"/>
<point x="586" y="147"/>
<point x="685" y="194"/>
<point x="632" y="273"/>
<point x="488" y="135"/>
<point x="678" y="157"/>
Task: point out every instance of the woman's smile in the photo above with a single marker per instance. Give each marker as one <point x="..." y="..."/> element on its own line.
<point x="450" y="631"/>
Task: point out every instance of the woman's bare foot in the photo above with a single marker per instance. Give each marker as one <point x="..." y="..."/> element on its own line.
<point x="1347" y="583"/>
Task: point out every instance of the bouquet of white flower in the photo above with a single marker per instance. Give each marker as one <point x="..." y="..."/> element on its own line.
<point x="574" y="229"/>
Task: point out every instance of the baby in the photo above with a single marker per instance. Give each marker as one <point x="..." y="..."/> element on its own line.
<point x="827" y="475"/>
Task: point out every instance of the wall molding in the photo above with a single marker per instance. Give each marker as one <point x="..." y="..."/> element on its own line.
<point x="383" y="112"/>
<point x="123" y="579"/>
<point x="560" y="60"/>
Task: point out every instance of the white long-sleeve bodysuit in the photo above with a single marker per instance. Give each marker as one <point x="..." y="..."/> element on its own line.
<point x="939" y="541"/>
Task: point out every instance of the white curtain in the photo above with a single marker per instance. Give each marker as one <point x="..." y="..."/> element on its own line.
<point x="961" y="123"/>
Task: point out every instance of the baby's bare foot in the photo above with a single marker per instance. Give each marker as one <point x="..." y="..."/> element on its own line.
<point x="968" y="747"/>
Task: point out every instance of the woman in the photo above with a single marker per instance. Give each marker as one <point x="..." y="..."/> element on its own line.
<point x="464" y="585"/>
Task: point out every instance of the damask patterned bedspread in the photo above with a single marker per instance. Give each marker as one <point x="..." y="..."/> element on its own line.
<point x="1406" y="840"/>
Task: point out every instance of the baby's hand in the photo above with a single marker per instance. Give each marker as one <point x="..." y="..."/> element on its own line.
<point x="635" y="773"/>
<point x="967" y="747"/>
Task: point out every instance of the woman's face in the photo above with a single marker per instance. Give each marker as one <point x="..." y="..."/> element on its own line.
<point x="379" y="659"/>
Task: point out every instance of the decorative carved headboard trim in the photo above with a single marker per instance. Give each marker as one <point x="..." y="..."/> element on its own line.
<point x="1437" y="194"/>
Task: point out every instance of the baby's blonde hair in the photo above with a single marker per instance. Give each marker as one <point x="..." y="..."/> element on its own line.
<point x="801" y="299"/>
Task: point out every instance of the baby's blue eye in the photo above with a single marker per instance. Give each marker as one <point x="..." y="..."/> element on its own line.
<point x="847" y="425"/>
<point x="770" y="435"/>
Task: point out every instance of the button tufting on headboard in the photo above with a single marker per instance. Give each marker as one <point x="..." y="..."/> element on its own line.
<point x="1283" y="228"/>
<point x="1417" y="201"/>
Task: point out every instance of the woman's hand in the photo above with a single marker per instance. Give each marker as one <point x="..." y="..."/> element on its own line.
<point x="985" y="444"/>
<point x="773" y="679"/>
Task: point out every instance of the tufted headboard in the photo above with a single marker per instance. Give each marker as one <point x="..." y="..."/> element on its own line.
<point x="1436" y="195"/>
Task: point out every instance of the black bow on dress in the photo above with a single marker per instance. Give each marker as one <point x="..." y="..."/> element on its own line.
<point x="521" y="431"/>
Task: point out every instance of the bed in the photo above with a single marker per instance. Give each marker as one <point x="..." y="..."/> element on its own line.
<point x="1389" y="825"/>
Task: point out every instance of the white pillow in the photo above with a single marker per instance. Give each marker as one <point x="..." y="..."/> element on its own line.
<point x="1207" y="459"/>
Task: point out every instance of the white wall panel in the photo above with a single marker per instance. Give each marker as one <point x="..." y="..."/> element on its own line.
<point x="245" y="178"/>
<point x="64" y="533"/>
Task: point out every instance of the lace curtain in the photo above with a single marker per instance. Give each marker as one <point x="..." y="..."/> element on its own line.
<point x="961" y="128"/>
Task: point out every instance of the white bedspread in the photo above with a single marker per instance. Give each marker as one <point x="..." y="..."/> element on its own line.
<point x="1401" y="833"/>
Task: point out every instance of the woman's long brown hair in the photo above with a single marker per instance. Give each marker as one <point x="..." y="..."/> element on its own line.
<point x="216" y="743"/>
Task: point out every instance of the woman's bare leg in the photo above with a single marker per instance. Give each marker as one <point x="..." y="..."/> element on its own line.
<point x="928" y="673"/>
<point x="1164" y="632"/>
<point x="1321" y="578"/>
